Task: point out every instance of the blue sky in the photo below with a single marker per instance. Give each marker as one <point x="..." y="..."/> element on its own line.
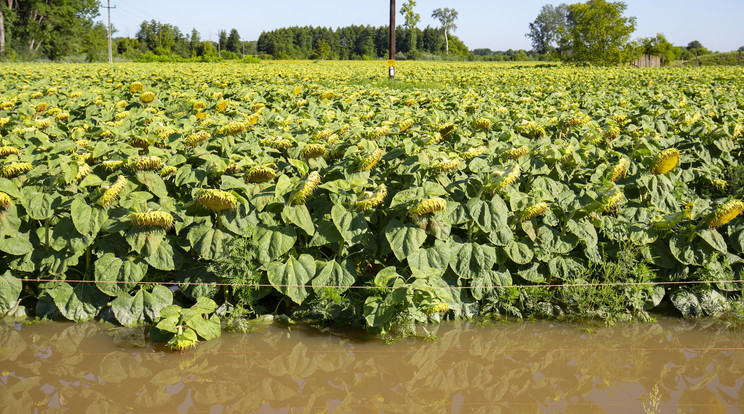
<point x="494" y="24"/>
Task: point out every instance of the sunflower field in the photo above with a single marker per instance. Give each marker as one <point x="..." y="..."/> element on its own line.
<point x="178" y="194"/>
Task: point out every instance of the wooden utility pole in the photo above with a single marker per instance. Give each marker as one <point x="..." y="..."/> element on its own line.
<point x="391" y="59"/>
<point x="110" y="51"/>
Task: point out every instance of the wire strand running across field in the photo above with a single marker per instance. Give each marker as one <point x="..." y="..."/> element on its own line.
<point x="258" y="285"/>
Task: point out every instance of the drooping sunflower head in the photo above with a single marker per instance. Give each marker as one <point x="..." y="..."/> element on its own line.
<point x="152" y="162"/>
<point x="446" y="129"/>
<point x="136" y="87"/>
<point x="482" y="124"/>
<point x="430" y="205"/>
<point x="665" y="161"/>
<point x="15" y="168"/>
<point x="313" y="151"/>
<point x="147" y="97"/>
<point x="473" y="152"/>
<point x="516" y="153"/>
<point x="261" y="173"/>
<point x="370" y="200"/>
<point x="112" y="193"/>
<point x="5" y="201"/>
<point x="533" y="211"/>
<point x="195" y="138"/>
<point x="611" y="202"/>
<point x="305" y="188"/>
<point x="159" y="219"/>
<point x="369" y="162"/>
<point x="618" y="170"/>
<point x="405" y="124"/>
<point x="725" y="213"/>
<point x="445" y="166"/>
<point x="216" y="200"/>
<point x="7" y="150"/>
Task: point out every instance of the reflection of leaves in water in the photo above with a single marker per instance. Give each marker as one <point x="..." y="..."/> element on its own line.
<point x="515" y="367"/>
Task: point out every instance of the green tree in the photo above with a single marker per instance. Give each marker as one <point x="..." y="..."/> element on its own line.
<point x="545" y="30"/>
<point x="411" y="20"/>
<point x="659" y="46"/>
<point x="95" y="42"/>
<point x="596" y="32"/>
<point x="233" y="42"/>
<point x="322" y="50"/>
<point x="696" y="46"/>
<point x="194" y="42"/>
<point x="447" y="18"/>
<point x="52" y="28"/>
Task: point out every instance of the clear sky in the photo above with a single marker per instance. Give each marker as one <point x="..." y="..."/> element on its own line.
<point x="494" y="24"/>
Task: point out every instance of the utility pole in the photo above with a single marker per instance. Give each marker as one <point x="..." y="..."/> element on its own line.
<point x="110" y="52"/>
<point x="391" y="60"/>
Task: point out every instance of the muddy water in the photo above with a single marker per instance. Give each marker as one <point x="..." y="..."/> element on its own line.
<point x="505" y="367"/>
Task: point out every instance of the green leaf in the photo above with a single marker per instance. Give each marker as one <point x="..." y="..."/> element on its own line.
<point x="291" y="277"/>
<point x="238" y="221"/>
<point x="145" y="240"/>
<point x="385" y="276"/>
<point x="687" y="303"/>
<point x="274" y="242"/>
<point x="208" y="242"/>
<point x="585" y="231"/>
<point x="340" y="276"/>
<point x="300" y="217"/>
<point x="554" y="242"/>
<point x="10" y="291"/>
<point x="165" y="257"/>
<point x="714" y="239"/>
<point x="155" y="301"/>
<point x="81" y="303"/>
<point x="483" y="285"/>
<point x="686" y="252"/>
<point x="351" y="226"/>
<point x="9" y="188"/>
<point x="87" y="219"/>
<point x="16" y="246"/>
<point x="109" y="270"/>
<point x="565" y="268"/>
<point x="205" y="282"/>
<point x="472" y="259"/>
<point x="404" y="239"/>
<point x="436" y="257"/>
<point x="153" y="182"/>
<point x="519" y="252"/>
<point x="535" y="273"/>
<point x="41" y="205"/>
<point x="378" y="312"/>
<point x="325" y="234"/>
<point x="9" y="222"/>
<point x="129" y="310"/>
<point x="207" y="329"/>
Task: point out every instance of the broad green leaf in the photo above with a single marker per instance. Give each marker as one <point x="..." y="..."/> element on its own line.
<point x="585" y="231"/>
<point x="81" y="303"/>
<point x="519" y="252"/>
<point x="351" y="226"/>
<point x="8" y="187"/>
<point x="165" y="257"/>
<point x="41" y="205"/>
<point x="110" y="270"/>
<point x="714" y="239"/>
<point x="384" y="277"/>
<point x="340" y="276"/>
<point x="488" y="282"/>
<point x="377" y="311"/>
<point x="10" y="291"/>
<point x="274" y="242"/>
<point x="238" y="221"/>
<point x="404" y="239"/>
<point x="16" y="246"/>
<point x="300" y="217"/>
<point x="687" y="303"/>
<point x="686" y="252"/>
<point x="145" y="240"/>
<point x="205" y="328"/>
<point x="554" y="242"/>
<point x="153" y="182"/>
<point x="129" y="310"/>
<point x="436" y="257"/>
<point x="196" y="282"/>
<point x="208" y="242"/>
<point x="87" y="219"/>
<point x="565" y="268"/>
<point x="535" y="273"/>
<point x="472" y="260"/>
<point x="155" y="301"/>
<point x="325" y="234"/>
<point x="9" y="222"/>
<point x="291" y="278"/>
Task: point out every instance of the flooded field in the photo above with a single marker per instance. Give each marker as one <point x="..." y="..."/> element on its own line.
<point x="696" y="366"/>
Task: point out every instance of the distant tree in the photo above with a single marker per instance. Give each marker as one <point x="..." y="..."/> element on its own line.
<point x="696" y="46"/>
<point x="322" y="49"/>
<point x="95" y="42"/>
<point x="233" y="42"/>
<point x="597" y="32"/>
<point x="221" y="41"/>
<point x="447" y="18"/>
<point x="741" y="49"/>
<point x="658" y="46"/>
<point x="194" y="42"/>
<point x="52" y="28"/>
<point x="546" y="28"/>
<point x="411" y="20"/>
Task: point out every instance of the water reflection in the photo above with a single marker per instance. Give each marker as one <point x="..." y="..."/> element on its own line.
<point x="519" y="367"/>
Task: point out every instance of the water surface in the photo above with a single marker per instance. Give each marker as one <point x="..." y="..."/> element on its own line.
<point x="698" y="366"/>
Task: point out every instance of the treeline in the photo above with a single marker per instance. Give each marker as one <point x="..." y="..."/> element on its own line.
<point x="356" y="42"/>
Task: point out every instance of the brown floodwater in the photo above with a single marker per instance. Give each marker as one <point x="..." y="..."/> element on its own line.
<point x="698" y="366"/>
